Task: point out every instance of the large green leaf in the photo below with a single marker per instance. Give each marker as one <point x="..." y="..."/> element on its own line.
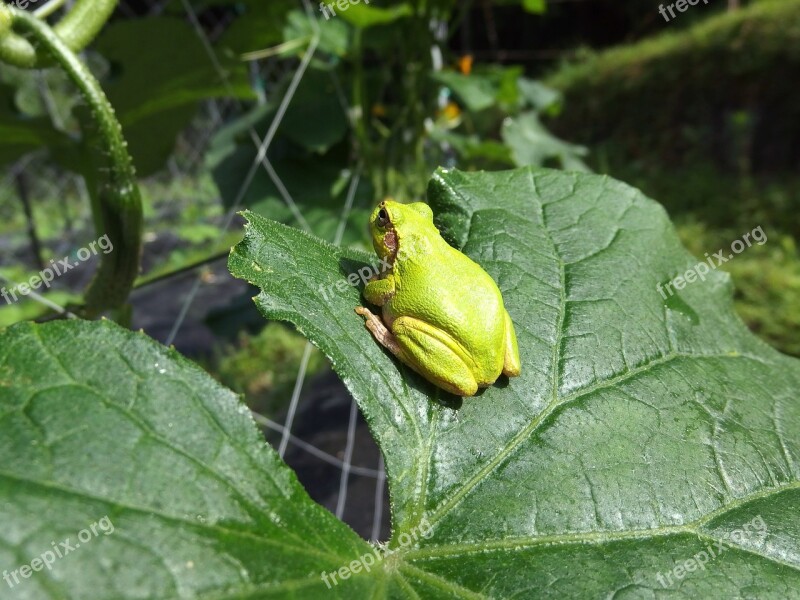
<point x="99" y="422"/>
<point x="641" y="431"/>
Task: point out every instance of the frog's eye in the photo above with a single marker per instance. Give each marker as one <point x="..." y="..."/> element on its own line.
<point x="383" y="218"/>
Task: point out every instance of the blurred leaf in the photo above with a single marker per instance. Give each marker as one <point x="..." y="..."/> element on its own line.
<point x="315" y="118"/>
<point x="364" y="16"/>
<point x="197" y="233"/>
<point x="20" y="135"/>
<point x="473" y="149"/>
<point x="334" y="34"/>
<point x="532" y="144"/>
<point x="486" y="86"/>
<point x="505" y="80"/>
<point x="38" y="88"/>
<point x="156" y="92"/>
<point x="539" y="96"/>
<point x="319" y="198"/>
<point x="237" y="132"/>
<point x="476" y="92"/>
<point x="538" y="7"/>
<point x="260" y="25"/>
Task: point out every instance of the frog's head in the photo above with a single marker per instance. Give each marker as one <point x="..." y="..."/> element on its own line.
<point x="393" y="223"/>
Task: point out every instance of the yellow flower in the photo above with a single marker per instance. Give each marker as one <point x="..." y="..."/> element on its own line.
<point x="450" y="112"/>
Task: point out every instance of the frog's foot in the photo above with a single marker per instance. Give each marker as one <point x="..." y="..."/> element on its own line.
<point x="380" y="332"/>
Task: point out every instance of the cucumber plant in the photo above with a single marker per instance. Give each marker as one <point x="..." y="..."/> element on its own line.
<point x="641" y="432"/>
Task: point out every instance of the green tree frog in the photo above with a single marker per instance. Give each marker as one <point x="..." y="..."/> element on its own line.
<point x="443" y="315"/>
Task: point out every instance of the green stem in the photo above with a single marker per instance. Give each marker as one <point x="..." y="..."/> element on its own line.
<point x="117" y="201"/>
<point x="77" y="29"/>
<point x="48" y="9"/>
<point x="360" y="100"/>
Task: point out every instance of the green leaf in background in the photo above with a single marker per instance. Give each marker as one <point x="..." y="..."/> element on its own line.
<point x="537" y="7"/>
<point x="258" y="27"/>
<point x="319" y="200"/>
<point x="97" y="422"/>
<point x="304" y="143"/>
<point x="334" y="35"/>
<point x="485" y="87"/>
<point x="532" y="144"/>
<point x="475" y="149"/>
<point x="21" y="134"/>
<point x="156" y="93"/>
<point x="539" y="96"/>
<point x="477" y="93"/>
<point x="315" y="118"/>
<point x="364" y="16"/>
<point x="642" y="430"/>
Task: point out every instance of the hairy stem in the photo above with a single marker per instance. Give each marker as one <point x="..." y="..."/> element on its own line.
<point x="117" y="204"/>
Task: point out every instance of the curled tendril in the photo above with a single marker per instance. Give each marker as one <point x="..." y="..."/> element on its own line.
<point x="76" y="29"/>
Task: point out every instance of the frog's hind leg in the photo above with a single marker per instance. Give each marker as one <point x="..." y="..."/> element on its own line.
<point x="511" y="363"/>
<point x="436" y="356"/>
<point x="429" y="351"/>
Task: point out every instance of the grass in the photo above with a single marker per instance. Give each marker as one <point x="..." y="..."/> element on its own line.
<point x="721" y="86"/>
